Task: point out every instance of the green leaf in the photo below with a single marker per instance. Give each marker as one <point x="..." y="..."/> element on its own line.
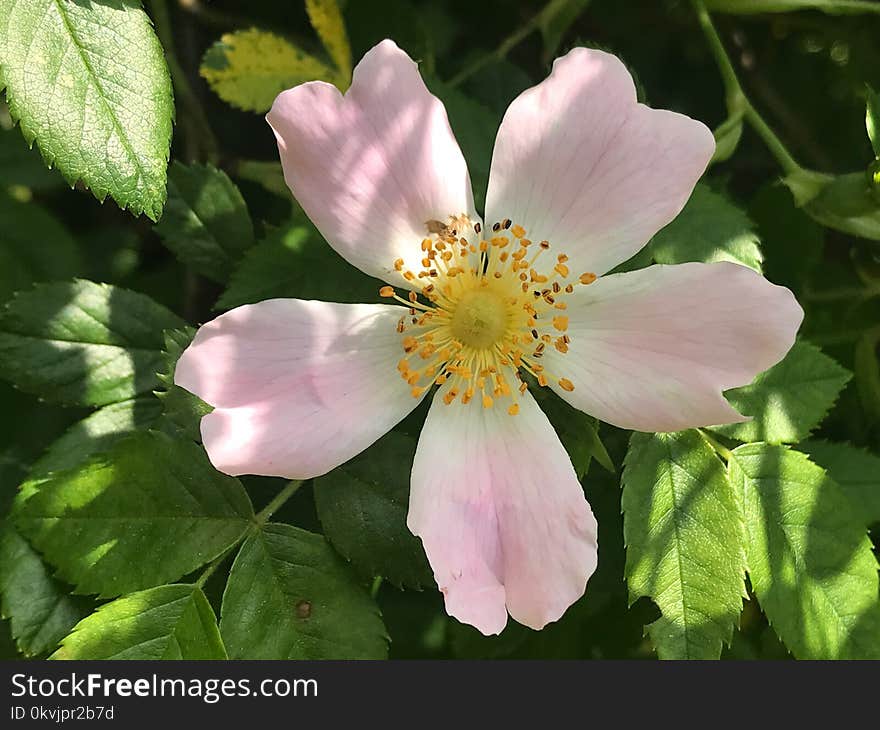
<point x="38" y="606"/>
<point x="326" y="19"/>
<point x="856" y="471"/>
<point x="845" y="203"/>
<point x="684" y="542"/>
<point x="249" y="68"/>
<point x="146" y="512"/>
<point x="97" y="433"/>
<point x="88" y="81"/>
<point x="710" y="228"/>
<point x="362" y="506"/>
<point x="183" y="409"/>
<point x="168" y="622"/>
<point x="34" y="246"/>
<point x="809" y="558"/>
<point x="789" y="400"/>
<point x="206" y="222"/>
<point x="286" y="264"/>
<point x="83" y="343"/>
<point x="289" y="596"/>
<point x="872" y="120"/>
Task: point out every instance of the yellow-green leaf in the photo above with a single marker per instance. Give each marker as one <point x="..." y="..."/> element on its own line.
<point x="249" y="68"/>
<point x="326" y="19"/>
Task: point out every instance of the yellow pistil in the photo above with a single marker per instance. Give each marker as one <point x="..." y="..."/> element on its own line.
<point x="488" y="311"/>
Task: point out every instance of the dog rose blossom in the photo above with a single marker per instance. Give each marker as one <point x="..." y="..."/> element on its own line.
<point x="582" y="177"/>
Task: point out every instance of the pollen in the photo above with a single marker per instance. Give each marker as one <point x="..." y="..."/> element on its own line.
<point x="483" y="313"/>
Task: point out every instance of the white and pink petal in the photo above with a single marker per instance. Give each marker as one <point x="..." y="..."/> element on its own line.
<point x="372" y="167"/>
<point x="580" y="163"/>
<point x="652" y="350"/>
<point x="298" y="387"/>
<point x="502" y="516"/>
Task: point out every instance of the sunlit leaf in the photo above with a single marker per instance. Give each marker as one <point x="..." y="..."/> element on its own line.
<point x="249" y="68"/>
<point x="88" y="81"/>
<point x="710" y="228"/>
<point x="856" y="470"/>
<point x="872" y="119"/>
<point x="168" y="622"/>
<point x="790" y="399"/>
<point x="149" y="511"/>
<point x="83" y="343"/>
<point x="97" y="433"/>
<point x="684" y="542"/>
<point x="326" y="19"/>
<point x="808" y="554"/>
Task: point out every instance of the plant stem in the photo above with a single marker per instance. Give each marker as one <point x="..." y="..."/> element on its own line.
<point x="718" y="447"/>
<point x="259" y="520"/>
<point x="195" y="114"/>
<point x="508" y="44"/>
<point x="737" y="101"/>
<point x="831" y="7"/>
<point x="270" y="509"/>
<point x="214" y="564"/>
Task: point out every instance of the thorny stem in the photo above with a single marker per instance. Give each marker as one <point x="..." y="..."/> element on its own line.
<point x="260" y="519"/>
<point x="184" y="91"/>
<point x="737" y="101"/>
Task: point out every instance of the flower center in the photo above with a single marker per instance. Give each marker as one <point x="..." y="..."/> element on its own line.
<point x="479" y="319"/>
<point x="486" y="312"/>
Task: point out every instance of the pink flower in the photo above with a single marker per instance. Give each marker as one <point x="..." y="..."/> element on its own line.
<point x="582" y="177"/>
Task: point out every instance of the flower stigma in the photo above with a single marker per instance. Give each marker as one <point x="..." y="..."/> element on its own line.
<point x="490" y="307"/>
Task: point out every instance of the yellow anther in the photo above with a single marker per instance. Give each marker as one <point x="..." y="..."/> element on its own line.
<point x="566" y="384"/>
<point x="587" y="277"/>
<point x="518" y="231"/>
<point x="560" y="323"/>
<point x="561" y="269"/>
<point x="513" y="410"/>
<point x="386" y="291"/>
<point x="487" y="401"/>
